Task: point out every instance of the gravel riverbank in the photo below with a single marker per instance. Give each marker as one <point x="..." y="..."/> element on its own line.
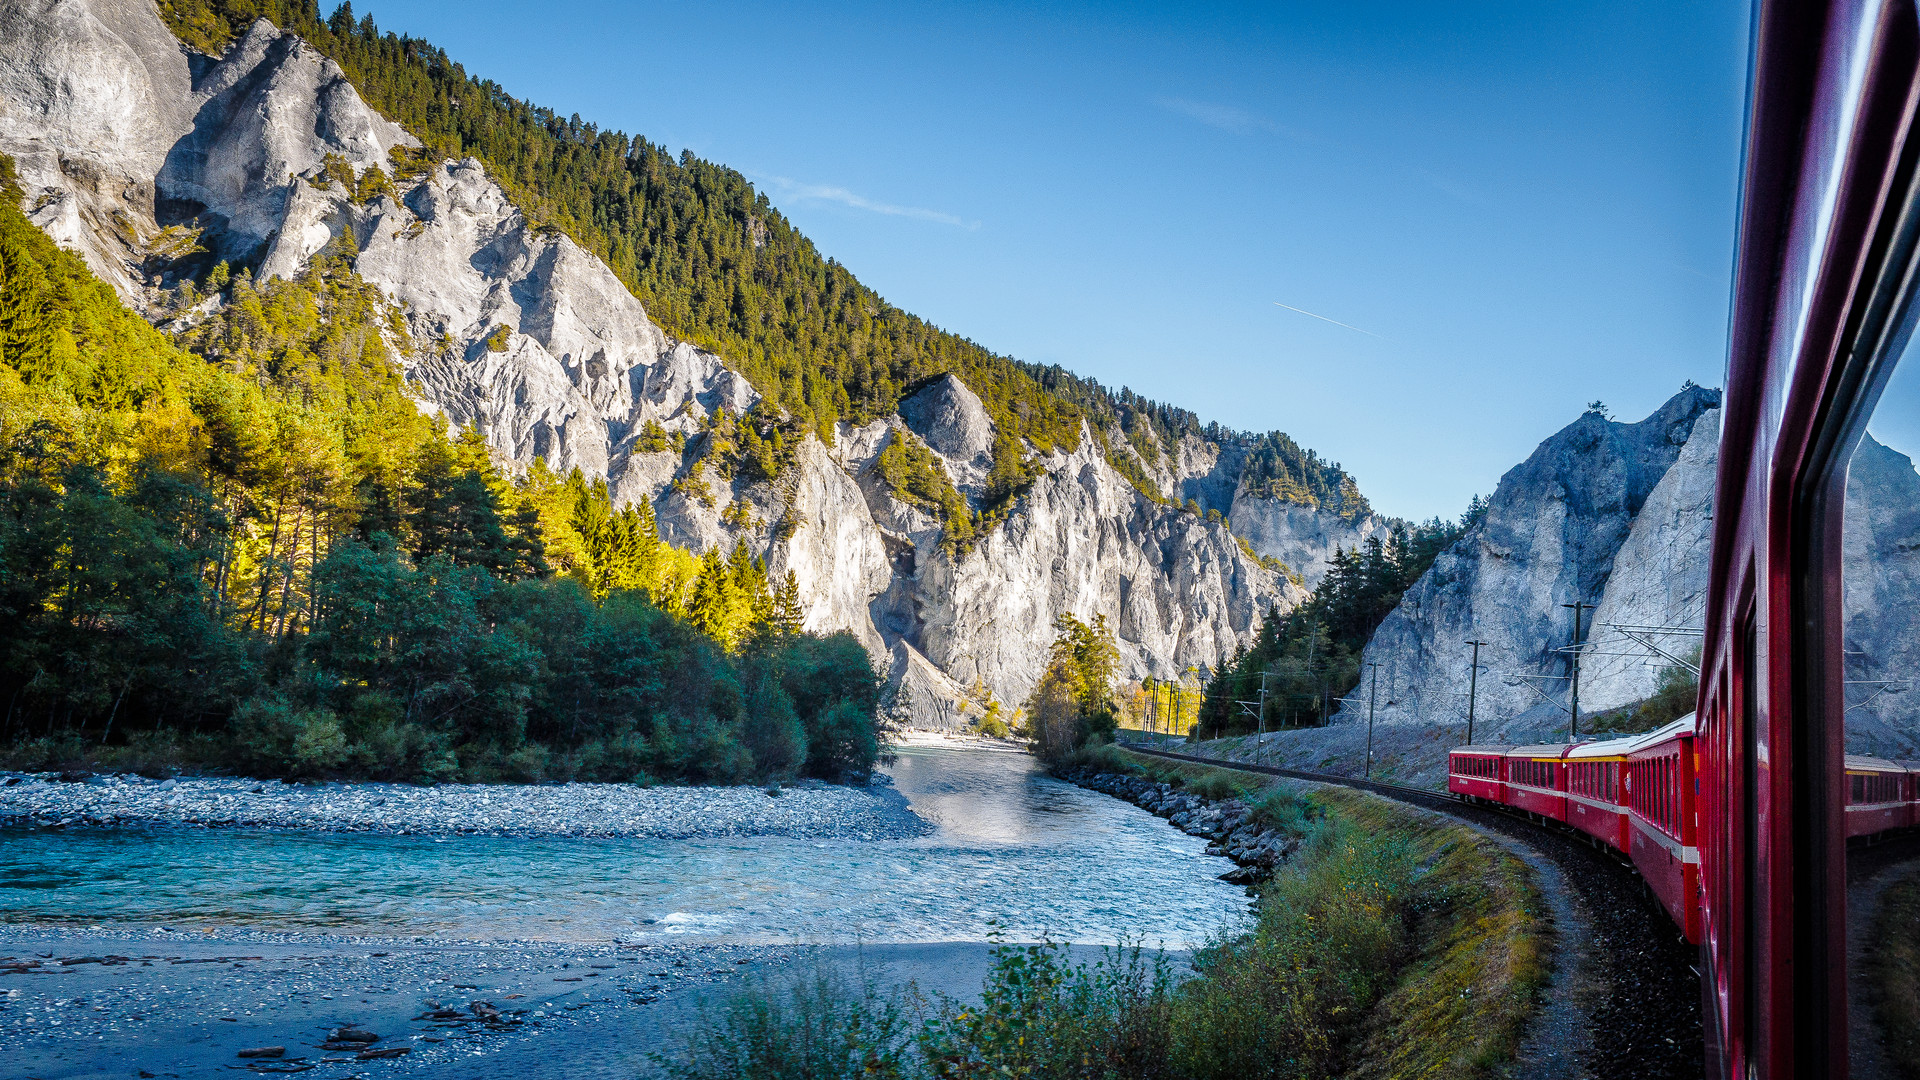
<point x="808" y="811"/>
<point x="104" y="1003"/>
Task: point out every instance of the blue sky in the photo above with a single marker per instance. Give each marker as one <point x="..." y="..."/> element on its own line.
<point x="1505" y="210"/>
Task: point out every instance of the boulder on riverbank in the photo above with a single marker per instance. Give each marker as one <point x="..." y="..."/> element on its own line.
<point x="1230" y="823"/>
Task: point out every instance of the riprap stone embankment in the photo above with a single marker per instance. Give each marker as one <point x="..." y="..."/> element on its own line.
<point x="1253" y="845"/>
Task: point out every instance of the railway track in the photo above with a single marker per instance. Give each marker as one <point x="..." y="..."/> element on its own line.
<point x="1641" y="988"/>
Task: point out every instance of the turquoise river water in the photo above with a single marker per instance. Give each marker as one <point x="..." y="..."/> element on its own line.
<point x="1014" y="852"/>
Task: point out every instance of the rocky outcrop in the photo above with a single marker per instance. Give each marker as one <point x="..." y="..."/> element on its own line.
<point x="92" y="97"/>
<point x="1176" y="587"/>
<point x="1552" y="531"/>
<point x="954" y="424"/>
<point x="266" y="119"/>
<point x="1305" y="538"/>
<point x="1658" y="580"/>
<point x="1881" y="571"/>
<point x="137" y="153"/>
<point x="1231" y="824"/>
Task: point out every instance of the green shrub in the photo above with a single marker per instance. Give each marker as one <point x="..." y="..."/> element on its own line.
<point x="1283" y="810"/>
<point x="1219" y="786"/>
<point x="1039" y="1015"/>
<point x="816" y="1026"/>
<point x="1282" y="1000"/>
<point x="1358" y="964"/>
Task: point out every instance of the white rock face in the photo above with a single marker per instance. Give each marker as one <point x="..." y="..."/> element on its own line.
<point x="1881" y="572"/>
<point x="838" y="556"/>
<point x="1553" y="529"/>
<point x="265" y="119"/>
<point x="1303" y="537"/>
<point x="92" y="96"/>
<point x="1178" y="590"/>
<point x="119" y="135"/>
<point x="922" y="695"/>
<point x="1659" y="578"/>
<point x="584" y="368"/>
<point x="954" y="423"/>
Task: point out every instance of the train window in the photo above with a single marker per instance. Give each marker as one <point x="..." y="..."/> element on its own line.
<point x="1879" y="704"/>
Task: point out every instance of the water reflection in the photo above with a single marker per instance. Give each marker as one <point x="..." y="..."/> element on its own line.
<point x="1013" y="849"/>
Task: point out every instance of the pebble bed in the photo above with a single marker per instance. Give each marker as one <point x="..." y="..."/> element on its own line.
<point x="201" y="1003"/>
<point x="810" y="811"/>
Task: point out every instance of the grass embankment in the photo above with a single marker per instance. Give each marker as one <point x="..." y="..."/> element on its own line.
<point x="1393" y="945"/>
<point x="1893" y="974"/>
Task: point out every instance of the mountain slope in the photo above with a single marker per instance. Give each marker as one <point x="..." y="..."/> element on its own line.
<point x="1553" y="529"/>
<point x="530" y="283"/>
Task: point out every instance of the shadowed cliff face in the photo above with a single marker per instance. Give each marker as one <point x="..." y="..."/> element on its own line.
<point x="1555" y="528"/>
<point x="1881" y="571"/>
<point x="126" y="144"/>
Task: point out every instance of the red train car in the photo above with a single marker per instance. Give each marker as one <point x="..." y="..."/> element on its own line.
<point x="1597" y="785"/>
<point x="1823" y="314"/>
<point x="1536" y="780"/>
<point x="1663" y="841"/>
<point x="1879" y="796"/>
<point x="1478" y="772"/>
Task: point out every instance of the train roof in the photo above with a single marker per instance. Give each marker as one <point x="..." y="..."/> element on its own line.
<point x="1493" y="750"/>
<point x="1664" y="733"/>
<point x="1539" y="750"/>
<point x="1604" y="747"/>
<point x="1863" y="763"/>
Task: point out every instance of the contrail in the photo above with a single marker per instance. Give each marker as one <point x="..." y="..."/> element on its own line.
<point x="1323" y="318"/>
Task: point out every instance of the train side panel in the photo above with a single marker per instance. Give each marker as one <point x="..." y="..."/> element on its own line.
<point x="1663" y="800"/>
<point x="1536" y="780"/>
<point x="1597" y="791"/>
<point x="1879" y="796"/>
<point x="1479" y="772"/>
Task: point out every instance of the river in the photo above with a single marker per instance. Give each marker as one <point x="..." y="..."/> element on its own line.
<point x="1014" y="852"/>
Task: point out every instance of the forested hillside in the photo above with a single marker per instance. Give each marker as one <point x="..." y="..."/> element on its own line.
<point x="717" y="265"/>
<point x="1310" y="657"/>
<point x="253" y="551"/>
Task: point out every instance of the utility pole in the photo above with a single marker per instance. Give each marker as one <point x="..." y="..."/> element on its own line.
<point x="1473" y="686"/>
<point x="1260" y="739"/>
<point x="1373" y="691"/>
<point x="1573" y="723"/>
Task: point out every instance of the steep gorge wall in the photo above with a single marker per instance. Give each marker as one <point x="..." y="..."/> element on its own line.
<point x="126" y="142"/>
<point x="1554" y="532"/>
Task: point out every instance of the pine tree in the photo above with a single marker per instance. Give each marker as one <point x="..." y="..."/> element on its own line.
<point x="709" y="609"/>
<point x="787" y="617"/>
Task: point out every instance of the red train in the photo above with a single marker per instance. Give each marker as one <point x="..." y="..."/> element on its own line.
<point x="1825" y="278"/>
<point x="1641" y="796"/>
<point x="1742" y="821"/>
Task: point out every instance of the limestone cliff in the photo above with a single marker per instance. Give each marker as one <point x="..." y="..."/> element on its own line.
<point x="137" y="152"/>
<point x="1597" y="498"/>
<point x="1881" y="572"/>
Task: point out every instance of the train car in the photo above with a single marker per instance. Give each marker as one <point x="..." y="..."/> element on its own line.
<point x="1661" y="786"/>
<point x="1879" y="796"/>
<point x="1597" y="790"/>
<point x="1478" y="772"/>
<point x="1536" y="780"/>
<point x="1823" y="314"/>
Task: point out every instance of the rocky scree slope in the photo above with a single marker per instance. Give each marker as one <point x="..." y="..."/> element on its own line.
<point x="138" y="153"/>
